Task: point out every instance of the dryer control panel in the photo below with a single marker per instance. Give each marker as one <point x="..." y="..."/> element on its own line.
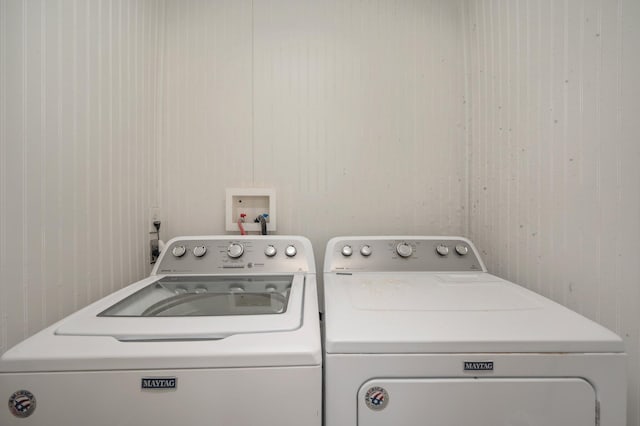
<point x="397" y="254"/>
<point x="235" y="255"/>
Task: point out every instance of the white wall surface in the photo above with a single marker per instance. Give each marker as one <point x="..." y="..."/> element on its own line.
<point x="352" y="110"/>
<point x="555" y="182"/>
<point x="77" y="136"/>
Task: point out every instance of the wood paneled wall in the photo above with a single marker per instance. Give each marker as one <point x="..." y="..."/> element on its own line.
<point x="555" y="182"/>
<point x="510" y="121"/>
<point x="352" y="110"/>
<point x="78" y="132"/>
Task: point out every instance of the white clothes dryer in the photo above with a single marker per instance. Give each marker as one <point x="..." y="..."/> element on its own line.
<point x="225" y="331"/>
<point x="418" y="333"/>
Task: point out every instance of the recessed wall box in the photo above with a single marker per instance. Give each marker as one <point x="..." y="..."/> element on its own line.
<point x="252" y="202"/>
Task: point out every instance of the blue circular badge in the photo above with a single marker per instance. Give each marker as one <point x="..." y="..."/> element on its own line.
<point x="22" y="403"/>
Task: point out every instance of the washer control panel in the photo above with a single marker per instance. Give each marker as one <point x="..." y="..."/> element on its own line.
<point x="224" y="255"/>
<point x="445" y="254"/>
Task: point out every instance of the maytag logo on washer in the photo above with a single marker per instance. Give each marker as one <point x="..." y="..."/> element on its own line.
<point x="376" y="398"/>
<point x="478" y="366"/>
<point x="22" y="403"/>
<point x="158" y="383"/>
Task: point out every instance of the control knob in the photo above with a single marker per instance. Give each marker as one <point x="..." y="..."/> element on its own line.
<point x="199" y="251"/>
<point x="270" y="251"/>
<point x="365" y="251"/>
<point x="404" y="250"/>
<point x="461" y="249"/>
<point x="290" y="251"/>
<point x="442" y="250"/>
<point x="235" y="250"/>
<point x="347" y="251"/>
<point x="178" y="251"/>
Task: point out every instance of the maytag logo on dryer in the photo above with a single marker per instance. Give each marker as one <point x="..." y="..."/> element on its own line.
<point x="158" y="383"/>
<point x="478" y="365"/>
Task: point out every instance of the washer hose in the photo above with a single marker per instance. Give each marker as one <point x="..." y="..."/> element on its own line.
<point x="263" y="223"/>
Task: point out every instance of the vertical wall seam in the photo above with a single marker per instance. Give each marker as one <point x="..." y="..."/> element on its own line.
<point x="110" y="148"/>
<point x="619" y="168"/>
<point x="580" y="122"/>
<point x="550" y="290"/>
<point x="119" y="150"/>
<point x="75" y="164"/>
<point x="25" y="186"/>
<point x="514" y="133"/>
<point x="488" y="41"/>
<point x="100" y="142"/>
<point x="598" y="91"/>
<point x="89" y="234"/>
<point x="468" y="150"/>
<point x="135" y="217"/>
<point x="158" y="141"/>
<point x="131" y="148"/>
<point x="539" y="120"/>
<point x="3" y="173"/>
<point x="476" y="135"/>
<point x="564" y="159"/>
<point x="44" y="140"/>
<point x="253" y="98"/>
<point x="59" y="177"/>
<point x="505" y="102"/>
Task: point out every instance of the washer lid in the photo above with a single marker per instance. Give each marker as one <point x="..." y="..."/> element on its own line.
<point x="452" y="312"/>
<point x="192" y="308"/>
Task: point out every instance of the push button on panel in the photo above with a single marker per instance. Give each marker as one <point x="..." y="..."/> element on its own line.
<point x="442" y="250"/>
<point x="404" y="250"/>
<point x="461" y="249"/>
<point x="199" y="251"/>
<point x="291" y="251"/>
<point x="178" y="251"/>
<point x="270" y="251"/>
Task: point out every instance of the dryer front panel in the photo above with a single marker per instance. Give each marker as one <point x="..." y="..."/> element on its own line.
<point x="477" y="402"/>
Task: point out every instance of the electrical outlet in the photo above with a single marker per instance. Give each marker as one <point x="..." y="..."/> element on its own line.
<point x="154" y="215"/>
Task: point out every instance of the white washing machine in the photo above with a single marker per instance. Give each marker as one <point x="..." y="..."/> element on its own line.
<point x="225" y="331"/>
<point x="418" y="333"/>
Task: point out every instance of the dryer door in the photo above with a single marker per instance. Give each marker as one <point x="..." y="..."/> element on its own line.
<point x="477" y="402"/>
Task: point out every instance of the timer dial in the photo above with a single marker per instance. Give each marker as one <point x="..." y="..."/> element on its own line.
<point x="235" y="250"/>
<point x="404" y="250"/>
